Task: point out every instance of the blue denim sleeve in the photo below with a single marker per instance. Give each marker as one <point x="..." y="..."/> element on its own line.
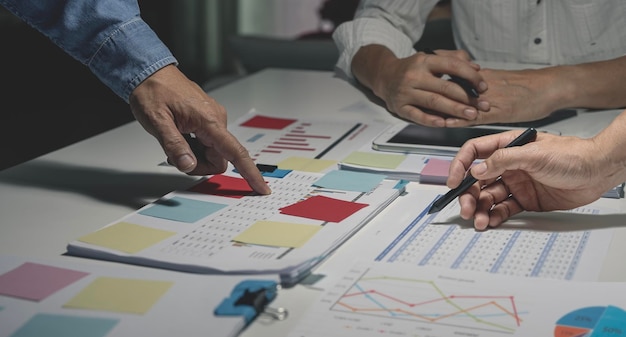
<point x="109" y="37"/>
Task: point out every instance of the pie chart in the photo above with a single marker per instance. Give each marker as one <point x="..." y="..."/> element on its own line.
<point x="609" y="321"/>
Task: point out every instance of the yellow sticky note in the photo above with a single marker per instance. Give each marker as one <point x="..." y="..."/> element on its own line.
<point x="119" y="295"/>
<point x="278" y="234"/>
<point x="126" y="237"/>
<point x="306" y="164"/>
<point x="371" y="159"/>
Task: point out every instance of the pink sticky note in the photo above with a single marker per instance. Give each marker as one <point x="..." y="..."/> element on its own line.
<point x="435" y="171"/>
<point x="33" y="281"/>
<point x="225" y="186"/>
<point x="323" y="208"/>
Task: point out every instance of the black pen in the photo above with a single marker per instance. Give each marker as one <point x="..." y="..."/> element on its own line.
<point x="463" y="83"/>
<point x="526" y="137"/>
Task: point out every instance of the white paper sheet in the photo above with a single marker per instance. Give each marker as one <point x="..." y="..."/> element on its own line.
<point x="382" y="299"/>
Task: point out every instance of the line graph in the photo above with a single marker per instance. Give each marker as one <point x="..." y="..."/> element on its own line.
<point x="381" y="299"/>
<point x="442" y="301"/>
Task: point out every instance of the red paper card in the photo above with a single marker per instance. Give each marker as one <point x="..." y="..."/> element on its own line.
<point x="323" y="208"/>
<point x="225" y="186"/>
<point x="268" y="122"/>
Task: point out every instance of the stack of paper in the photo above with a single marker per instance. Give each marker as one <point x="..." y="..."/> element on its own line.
<point x="616" y="192"/>
<point x="414" y="167"/>
<point x="393" y="165"/>
<point x="220" y="226"/>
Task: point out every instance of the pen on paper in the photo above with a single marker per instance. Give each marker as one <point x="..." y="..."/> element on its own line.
<point x="463" y="83"/>
<point x="469" y="180"/>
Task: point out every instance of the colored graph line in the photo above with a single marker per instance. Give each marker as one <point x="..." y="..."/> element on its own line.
<point x="437" y="308"/>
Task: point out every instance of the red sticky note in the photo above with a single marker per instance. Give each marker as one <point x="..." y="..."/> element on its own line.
<point x="268" y="122"/>
<point x="33" y="281"/>
<point x="323" y="208"/>
<point x="225" y="186"/>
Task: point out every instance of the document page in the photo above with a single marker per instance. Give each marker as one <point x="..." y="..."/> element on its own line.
<point x="557" y="245"/>
<point x="382" y="299"/>
<point x="220" y="226"/>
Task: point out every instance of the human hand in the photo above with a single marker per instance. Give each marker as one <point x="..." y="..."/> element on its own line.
<point x="168" y="105"/>
<point x="515" y="96"/>
<point x="551" y="173"/>
<point x="413" y="87"/>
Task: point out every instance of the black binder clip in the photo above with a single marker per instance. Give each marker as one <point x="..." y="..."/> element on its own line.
<point x="266" y="168"/>
<point x="249" y="299"/>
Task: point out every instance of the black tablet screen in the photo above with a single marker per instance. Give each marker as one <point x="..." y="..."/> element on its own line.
<point x="452" y="137"/>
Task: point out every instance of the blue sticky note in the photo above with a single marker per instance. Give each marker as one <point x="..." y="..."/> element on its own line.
<point x="66" y="326"/>
<point x="401" y="185"/>
<point x="350" y="181"/>
<point x="277" y="173"/>
<point x="181" y="209"/>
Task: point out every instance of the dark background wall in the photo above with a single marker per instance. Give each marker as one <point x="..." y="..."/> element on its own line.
<point x="49" y="100"/>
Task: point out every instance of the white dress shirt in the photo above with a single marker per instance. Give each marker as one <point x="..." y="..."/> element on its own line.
<point x="544" y="32"/>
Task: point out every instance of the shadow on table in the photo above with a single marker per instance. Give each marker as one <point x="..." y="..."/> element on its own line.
<point x="133" y="190"/>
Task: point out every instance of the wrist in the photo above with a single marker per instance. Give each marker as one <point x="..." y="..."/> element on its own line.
<point x="574" y="86"/>
<point x="611" y="145"/>
<point x="557" y="88"/>
<point x="370" y="66"/>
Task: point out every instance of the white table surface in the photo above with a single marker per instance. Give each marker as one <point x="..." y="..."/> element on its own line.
<point x="51" y="200"/>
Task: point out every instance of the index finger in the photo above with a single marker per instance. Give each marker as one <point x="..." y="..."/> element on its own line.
<point x="459" y="70"/>
<point x="476" y="148"/>
<point x="228" y="147"/>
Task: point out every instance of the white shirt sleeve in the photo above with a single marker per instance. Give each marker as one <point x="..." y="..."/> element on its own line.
<point x="535" y="32"/>
<point x="395" y="24"/>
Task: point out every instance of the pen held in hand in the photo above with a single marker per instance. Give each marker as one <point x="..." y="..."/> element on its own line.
<point x="526" y="137"/>
<point x="463" y="83"/>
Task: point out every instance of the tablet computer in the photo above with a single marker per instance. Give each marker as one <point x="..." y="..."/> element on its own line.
<point x="414" y="138"/>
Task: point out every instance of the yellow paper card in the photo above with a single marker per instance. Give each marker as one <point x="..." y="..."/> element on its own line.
<point x="278" y="234"/>
<point x="126" y="237"/>
<point x="119" y="295"/>
<point x="381" y="160"/>
<point x="306" y="164"/>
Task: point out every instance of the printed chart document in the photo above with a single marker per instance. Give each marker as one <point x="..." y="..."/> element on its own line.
<point x="382" y="299"/>
<point x="66" y="297"/>
<point x="220" y="226"/>
<point x="273" y="140"/>
<point x="556" y="245"/>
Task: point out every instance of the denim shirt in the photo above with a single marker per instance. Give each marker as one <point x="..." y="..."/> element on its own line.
<point x="108" y="36"/>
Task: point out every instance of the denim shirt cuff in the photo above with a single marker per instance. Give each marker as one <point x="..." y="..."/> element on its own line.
<point x="128" y="56"/>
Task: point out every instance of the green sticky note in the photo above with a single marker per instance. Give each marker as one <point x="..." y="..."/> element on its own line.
<point x="371" y="159"/>
<point x="306" y="164"/>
